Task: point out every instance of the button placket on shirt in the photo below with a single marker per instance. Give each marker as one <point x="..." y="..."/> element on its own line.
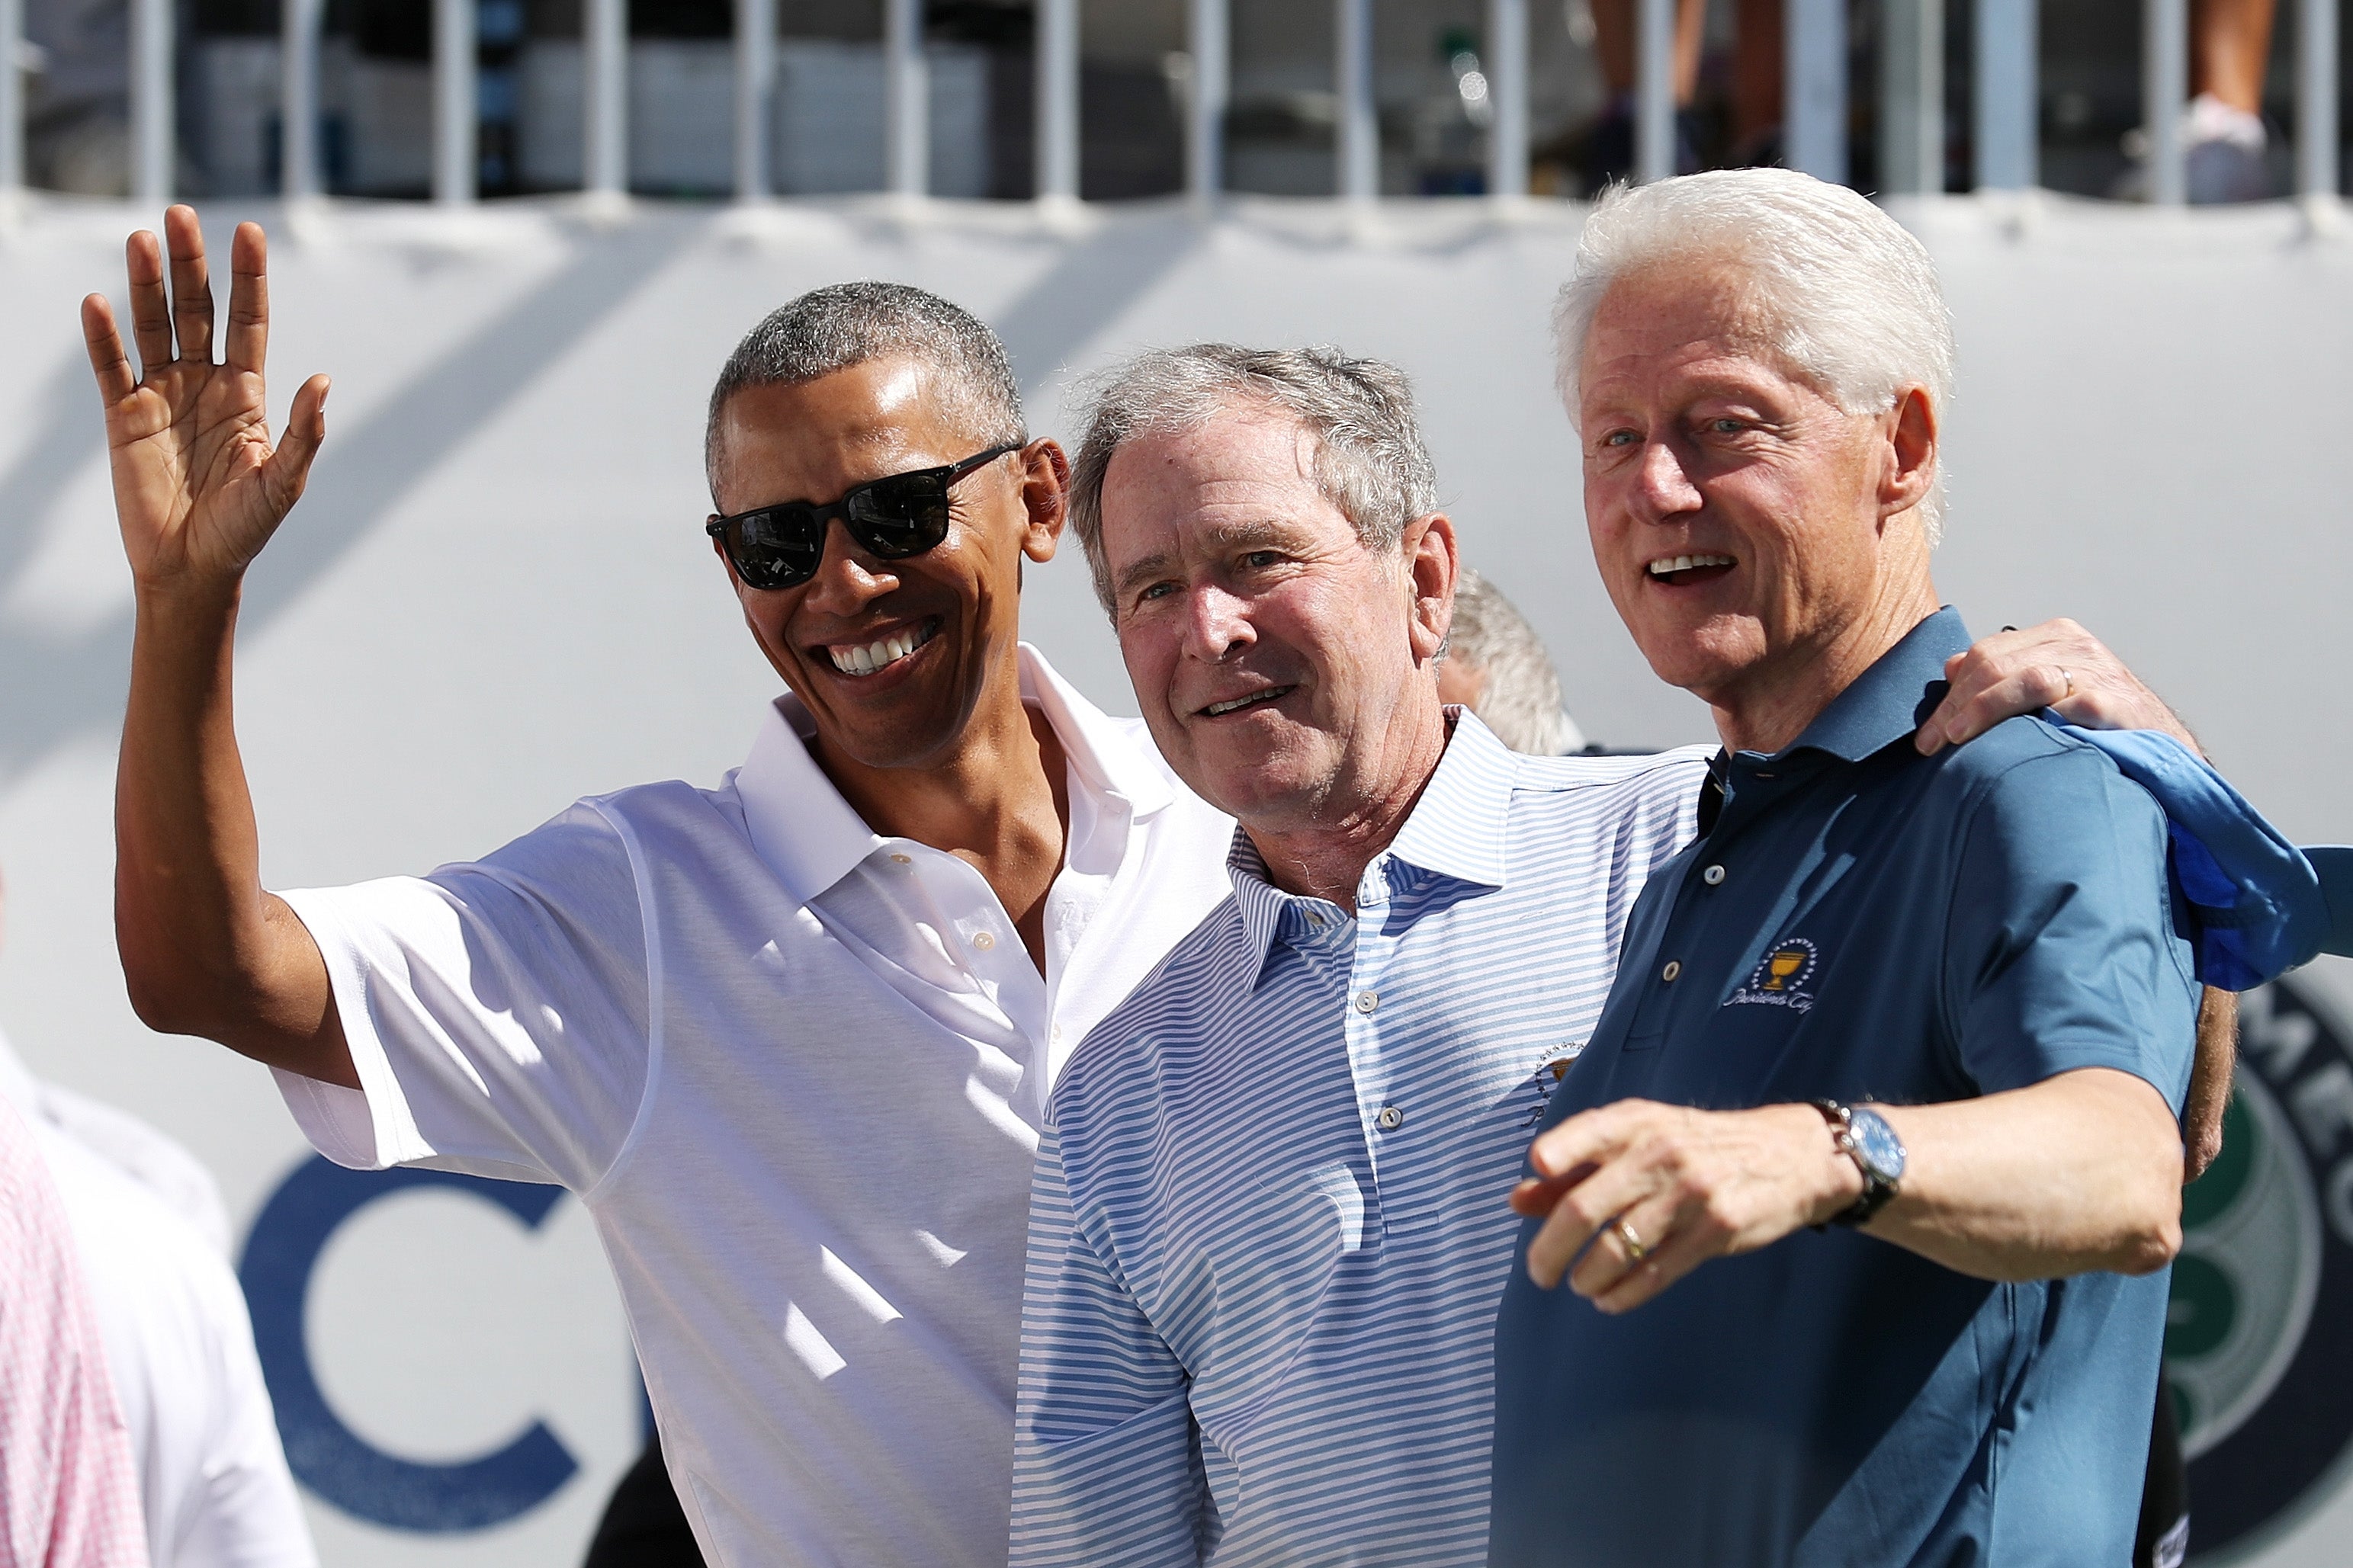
<point x="1383" y="1113"/>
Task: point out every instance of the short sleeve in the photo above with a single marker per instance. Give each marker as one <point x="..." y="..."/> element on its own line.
<point x="496" y="1011"/>
<point x="2062" y="951"/>
<point x="1106" y="1462"/>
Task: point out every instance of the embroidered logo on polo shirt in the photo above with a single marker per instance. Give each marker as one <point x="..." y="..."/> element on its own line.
<point x="1548" y="1074"/>
<point x="1780" y="976"/>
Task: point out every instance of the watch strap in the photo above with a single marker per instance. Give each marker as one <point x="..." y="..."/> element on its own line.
<point x="1876" y="1188"/>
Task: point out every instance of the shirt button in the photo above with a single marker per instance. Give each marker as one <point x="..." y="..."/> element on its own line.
<point x="1711" y="876"/>
<point x="1366" y="1001"/>
<point x="983" y="940"/>
<point x="1389" y="1120"/>
<point x="1674" y="967"/>
<point x="898" y="859"/>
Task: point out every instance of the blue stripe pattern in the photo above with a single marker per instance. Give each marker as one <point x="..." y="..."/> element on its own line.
<point x="1268" y="1233"/>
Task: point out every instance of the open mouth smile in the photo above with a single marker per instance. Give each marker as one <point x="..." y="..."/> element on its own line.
<point x="1238" y="704"/>
<point x="1681" y="570"/>
<point x="869" y="657"/>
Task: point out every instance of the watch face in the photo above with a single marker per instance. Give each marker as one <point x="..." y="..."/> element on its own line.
<point x="1876" y="1144"/>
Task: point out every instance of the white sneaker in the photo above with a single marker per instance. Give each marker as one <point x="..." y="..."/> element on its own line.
<point x="2222" y="153"/>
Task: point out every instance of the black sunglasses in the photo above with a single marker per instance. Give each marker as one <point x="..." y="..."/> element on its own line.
<point x="895" y="516"/>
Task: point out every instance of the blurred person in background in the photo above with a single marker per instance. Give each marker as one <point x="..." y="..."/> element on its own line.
<point x="68" y="1485"/>
<point x="1603" y="151"/>
<point x="2224" y="138"/>
<point x="153" y="1237"/>
<point x="1496" y="666"/>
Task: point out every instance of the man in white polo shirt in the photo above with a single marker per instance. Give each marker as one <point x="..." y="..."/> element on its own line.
<point x="787" y="1039"/>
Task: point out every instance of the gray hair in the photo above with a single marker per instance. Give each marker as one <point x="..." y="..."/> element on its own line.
<point x="1849" y="299"/>
<point x="1519" y="691"/>
<point x="845" y="324"/>
<point x="1369" y="460"/>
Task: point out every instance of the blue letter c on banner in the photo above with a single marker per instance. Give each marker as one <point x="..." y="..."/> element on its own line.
<point x="328" y="1457"/>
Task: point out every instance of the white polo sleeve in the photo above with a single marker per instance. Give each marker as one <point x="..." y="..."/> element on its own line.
<point x="497" y="1012"/>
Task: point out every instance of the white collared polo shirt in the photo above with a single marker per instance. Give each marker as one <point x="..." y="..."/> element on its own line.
<point x="794" y="1070"/>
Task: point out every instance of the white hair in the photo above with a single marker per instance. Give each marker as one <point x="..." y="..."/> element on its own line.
<point x="1848" y="299"/>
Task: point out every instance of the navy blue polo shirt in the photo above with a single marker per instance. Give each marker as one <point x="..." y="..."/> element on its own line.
<point x="1861" y="922"/>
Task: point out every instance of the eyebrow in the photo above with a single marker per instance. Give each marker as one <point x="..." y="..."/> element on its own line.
<point x="1225" y="536"/>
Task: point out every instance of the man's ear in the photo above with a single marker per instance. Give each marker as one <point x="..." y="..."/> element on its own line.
<point x="1045" y="496"/>
<point x="1910" y="430"/>
<point x="1432" y="563"/>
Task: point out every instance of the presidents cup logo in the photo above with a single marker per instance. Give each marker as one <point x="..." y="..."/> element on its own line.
<point x="2259" y="1335"/>
<point x="1780" y="977"/>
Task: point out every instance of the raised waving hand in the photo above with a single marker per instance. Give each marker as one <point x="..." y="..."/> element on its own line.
<point x="198" y="486"/>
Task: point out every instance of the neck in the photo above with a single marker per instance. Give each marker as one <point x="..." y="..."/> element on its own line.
<point x="1774" y="700"/>
<point x="997" y="799"/>
<point x="1326" y="856"/>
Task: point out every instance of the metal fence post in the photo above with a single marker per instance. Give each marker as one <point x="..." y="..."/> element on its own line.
<point x="1912" y="95"/>
<point x="1814" y="88"/>
<point x="604" y="66"/>
<point x="1058" y="101"/>
<point x="906" y="135"/>
<point x="12" y="104"/>
<point x="1205" y="140"/>
<point x="1507" y="91"/>
<point x="1655" y="91"/>
<point x="456" y="110"/>
<point x="1360" y="127"/>
<point x="299" y="176"/>
<point x="756" y="80"/>
<point x="2316" y="85"/>
<point x="153" y="112"/>
<point x="2007" y="94"/>
<point x="2164" y="88"/>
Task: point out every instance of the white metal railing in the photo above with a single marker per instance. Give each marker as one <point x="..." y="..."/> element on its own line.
<point x="12" y="102"/>
<point x="2003" y="111"/>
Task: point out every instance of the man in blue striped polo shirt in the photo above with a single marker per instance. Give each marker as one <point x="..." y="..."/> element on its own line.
<point x="1267" y="1235"/>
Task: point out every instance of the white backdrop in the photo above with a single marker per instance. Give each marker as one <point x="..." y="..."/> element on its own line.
<point x="498" y="597"/>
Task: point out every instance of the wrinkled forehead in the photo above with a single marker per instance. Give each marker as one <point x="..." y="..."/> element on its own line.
<point x="1713" y="311"/>
<point x="876" y="418"/>
<point x="1241" y="478"/>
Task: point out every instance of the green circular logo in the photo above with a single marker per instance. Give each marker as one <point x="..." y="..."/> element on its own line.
<point x="2259" y="1333"/>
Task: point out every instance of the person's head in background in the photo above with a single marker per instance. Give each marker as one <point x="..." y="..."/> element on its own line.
<point x="1496" y="666"/>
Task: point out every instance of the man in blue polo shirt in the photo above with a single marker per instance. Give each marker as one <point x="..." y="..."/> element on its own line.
<point x="1893" y="1063"/>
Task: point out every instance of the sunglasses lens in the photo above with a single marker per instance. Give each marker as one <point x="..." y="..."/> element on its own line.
<point x="900" y="516"/>
<point x="775" y="549"/>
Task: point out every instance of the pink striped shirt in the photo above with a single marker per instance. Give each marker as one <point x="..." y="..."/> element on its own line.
<point x="69" y="1493"/>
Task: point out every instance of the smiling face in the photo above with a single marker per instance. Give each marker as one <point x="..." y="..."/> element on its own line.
<point x="1757" y="539"/>
<point x="892" y="657"/>
<point x="1282" y="666"/>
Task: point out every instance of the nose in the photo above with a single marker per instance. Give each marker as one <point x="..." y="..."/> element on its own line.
<point x="1663" y="491"/>
<point x="847" y="579"/>
<point x="1217" y="625"/>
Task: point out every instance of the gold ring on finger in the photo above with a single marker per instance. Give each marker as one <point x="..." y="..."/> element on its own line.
<point x="1632" y="1242"/>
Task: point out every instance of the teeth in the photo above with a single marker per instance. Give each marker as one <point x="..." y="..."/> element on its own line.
<point x="1216" y="709"/>
<point x="1686" y="562"/>
<point x="867" y="657"/>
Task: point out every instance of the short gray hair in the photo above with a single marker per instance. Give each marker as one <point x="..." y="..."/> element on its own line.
<point x="1519" y="691"/>
<point x="1369" y="460"/>
<point x="1851" y="299"/>
<point x="845" y="324"/>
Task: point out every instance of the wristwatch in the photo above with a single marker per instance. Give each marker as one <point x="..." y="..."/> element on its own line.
<point x="1865" y="1137"/>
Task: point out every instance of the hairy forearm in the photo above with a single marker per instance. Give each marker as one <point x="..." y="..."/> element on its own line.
<point x="204" y="950"/>
<point x="2081" y="1172"/>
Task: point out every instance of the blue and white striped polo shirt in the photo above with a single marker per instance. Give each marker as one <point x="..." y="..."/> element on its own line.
<point x="1268" y="1230"/>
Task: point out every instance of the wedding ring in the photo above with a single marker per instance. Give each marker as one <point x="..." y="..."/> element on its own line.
<point x="1632" y="1243"/>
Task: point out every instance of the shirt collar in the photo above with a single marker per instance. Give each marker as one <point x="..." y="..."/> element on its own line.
<point x="1888" y="701"/>
<point x="1456" y="829"/>
<point x="811" y="837"/>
